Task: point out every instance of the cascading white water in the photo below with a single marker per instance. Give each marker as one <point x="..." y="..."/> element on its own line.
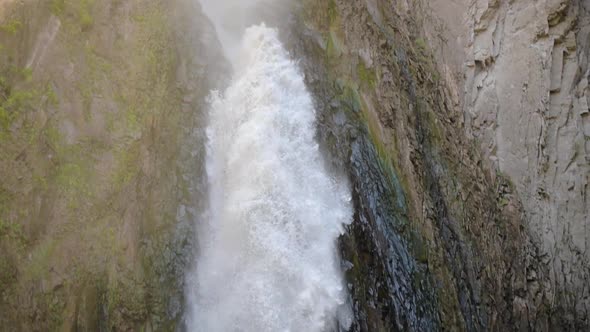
<point x="268" y="258"/>
<point x="231" y="18"/>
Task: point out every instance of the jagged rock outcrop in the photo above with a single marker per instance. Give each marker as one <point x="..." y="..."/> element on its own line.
<point x="525" y="100"/>
<point x="452" y="229"/>
<point x="463" y="125"/>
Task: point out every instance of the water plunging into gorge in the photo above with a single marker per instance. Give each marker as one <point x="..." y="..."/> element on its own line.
<point x="267" y="256"/>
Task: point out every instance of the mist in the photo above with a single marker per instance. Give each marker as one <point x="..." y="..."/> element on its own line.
<point x="231" y="18"/>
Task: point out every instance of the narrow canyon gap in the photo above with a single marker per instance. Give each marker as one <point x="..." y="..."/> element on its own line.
<point x="160" y="169"/>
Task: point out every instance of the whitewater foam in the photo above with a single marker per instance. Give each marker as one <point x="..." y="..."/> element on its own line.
<point x="268" y="246"/>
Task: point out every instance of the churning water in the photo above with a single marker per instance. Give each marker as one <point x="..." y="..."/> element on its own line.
<point x="268" y="247"/>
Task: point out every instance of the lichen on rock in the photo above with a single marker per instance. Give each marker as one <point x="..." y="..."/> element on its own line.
<point x="99" y="116"/>
<point x="467" y="240"/>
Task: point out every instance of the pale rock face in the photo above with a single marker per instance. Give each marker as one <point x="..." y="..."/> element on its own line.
<point x="524" y="70"/>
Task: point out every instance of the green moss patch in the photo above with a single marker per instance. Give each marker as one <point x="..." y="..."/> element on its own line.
<point x="366" y="75"/>
<point x="12" y="26"/>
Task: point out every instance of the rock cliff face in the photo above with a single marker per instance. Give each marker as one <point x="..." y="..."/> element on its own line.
<point x="463" y="126"/>
<point x="99" y="161"/>
<point x="524" y="67"/>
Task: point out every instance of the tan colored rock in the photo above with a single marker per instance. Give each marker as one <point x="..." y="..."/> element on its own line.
<point x="99" y="149"/>
<point x="525" y="100"/>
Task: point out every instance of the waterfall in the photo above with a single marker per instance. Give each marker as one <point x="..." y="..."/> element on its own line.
<point x="267" y="256"/>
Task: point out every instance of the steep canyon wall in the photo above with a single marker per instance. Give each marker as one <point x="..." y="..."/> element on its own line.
<point x="100" y="147"/>
<point x="463" y="126"/>
<point x="475" y="115"/>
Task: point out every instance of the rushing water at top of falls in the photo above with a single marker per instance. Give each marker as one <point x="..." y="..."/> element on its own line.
<point x="268" y="256"/>
<point x="231" y="18"/>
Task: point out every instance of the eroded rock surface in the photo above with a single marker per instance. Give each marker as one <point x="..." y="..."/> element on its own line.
<point x="463" y="125"/>
<point x="100" y="156"/>
<point x="477" y="111"/>
<point x="525" y="100"/>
